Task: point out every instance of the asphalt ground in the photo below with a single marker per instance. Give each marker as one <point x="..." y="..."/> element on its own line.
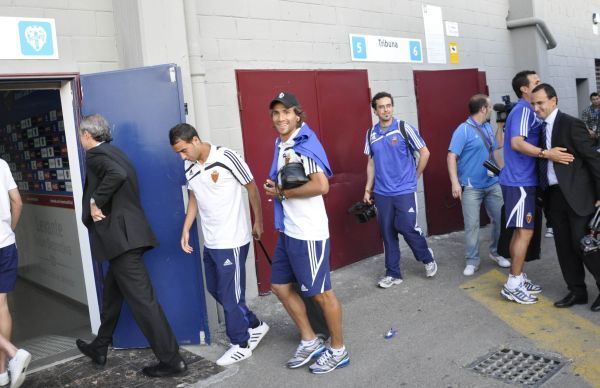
<point x="444" y="324"/>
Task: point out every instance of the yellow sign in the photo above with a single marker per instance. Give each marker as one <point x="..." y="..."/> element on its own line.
<point x="453" y="48"/>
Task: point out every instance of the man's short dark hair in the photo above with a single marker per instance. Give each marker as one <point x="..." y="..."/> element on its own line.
<point x="550" y="92"/>
<point x="184" y="132"/>
<point x="477" y="102"/>
<point x="379" y="96"/>
<point x="595" y="94"/>
<point x="521" y="79"/>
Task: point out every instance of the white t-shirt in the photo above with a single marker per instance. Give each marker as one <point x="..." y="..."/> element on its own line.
<point x="7" y="236"/>
<point x="303" y="218"/>
<point x="217" y="185"/>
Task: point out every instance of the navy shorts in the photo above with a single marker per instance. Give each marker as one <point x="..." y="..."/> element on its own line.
<point x="302" y="261"/>
<point x="519" y="206"/>
<point x="9" y="261"/>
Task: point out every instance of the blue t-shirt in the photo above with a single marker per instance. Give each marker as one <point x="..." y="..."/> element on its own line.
<point x="520" y="169"/>
<point x="395" y="169"/>
<point x="472" y="151"/>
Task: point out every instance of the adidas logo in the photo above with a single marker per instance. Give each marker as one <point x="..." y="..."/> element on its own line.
<point x="411" y="210"/>
<point x="303" y="288"/>
<point x="227" y="262"/>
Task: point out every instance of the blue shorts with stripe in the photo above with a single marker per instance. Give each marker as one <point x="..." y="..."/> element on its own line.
<point x="519" y="206"/>
<point x="8" y="268"/>
<point x="302" y="261"/>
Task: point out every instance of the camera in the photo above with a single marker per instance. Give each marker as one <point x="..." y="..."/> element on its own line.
<point x="491" y="166"/>
<point x="590" y="243"/>
<point x="503" y="109"/>
<point x="363" y="212"/>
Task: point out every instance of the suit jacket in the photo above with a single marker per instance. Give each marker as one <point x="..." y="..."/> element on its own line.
<point x="579" y="181"/>
<point x="112" y="182"/>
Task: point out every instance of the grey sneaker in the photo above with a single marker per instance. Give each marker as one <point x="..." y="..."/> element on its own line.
<point x="431" y="269"/>
<point x="305" y="353"/>
<point x="328" y="362"/>
<point x="519" y="295"/>
<point x="531" y="287"/>
<point x="388" y="281"/>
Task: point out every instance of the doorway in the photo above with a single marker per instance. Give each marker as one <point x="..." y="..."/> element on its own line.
<point x="583" y="94"/>
<point x="50" y="305"/>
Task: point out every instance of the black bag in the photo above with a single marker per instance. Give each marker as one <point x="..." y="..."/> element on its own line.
<point x="313" y="310"/>
<point x="292" y="175"/>
<point x="535" y="245"/>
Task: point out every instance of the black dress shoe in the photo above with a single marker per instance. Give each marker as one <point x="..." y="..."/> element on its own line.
<point x="570" y="300"/>
<point x="165" y="370"/>
<point x="97" y="356"/>
<point x="596" y="305"/>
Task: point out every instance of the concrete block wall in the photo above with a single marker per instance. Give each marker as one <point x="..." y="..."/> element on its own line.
<point x="281" y="34"/>
<point x="85" y="32"/>
<point x="576" y="50"/>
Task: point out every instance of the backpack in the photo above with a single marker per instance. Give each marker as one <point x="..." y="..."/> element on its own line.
<point x="409" y="147"/>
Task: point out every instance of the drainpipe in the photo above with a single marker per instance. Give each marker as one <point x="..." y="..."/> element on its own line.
<point x="197" y="70"/>
<point x="214" y="312"/>
<point x="534" y="22"/>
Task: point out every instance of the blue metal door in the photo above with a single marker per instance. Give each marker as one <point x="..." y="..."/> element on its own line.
<point x="142" y="105"/>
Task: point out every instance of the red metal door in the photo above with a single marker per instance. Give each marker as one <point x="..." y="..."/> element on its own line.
<point x="327" y="97"/>
<point x="344" y="114"/>
<point x="442" y="98"/>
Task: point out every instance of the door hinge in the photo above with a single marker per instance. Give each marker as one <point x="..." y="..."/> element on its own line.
<point x="185" y="107"/>
<point x="239" y="96"/>
<point x="172" y="74"/>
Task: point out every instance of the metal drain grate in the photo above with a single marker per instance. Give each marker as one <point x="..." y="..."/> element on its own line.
<point x="515" y="367"/>
<point x="48" y="345"/>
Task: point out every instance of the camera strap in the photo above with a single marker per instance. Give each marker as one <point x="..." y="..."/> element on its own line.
<point x="486" y="140"/>
<point x="262" y="247"/>
<point x="595" y="221"/>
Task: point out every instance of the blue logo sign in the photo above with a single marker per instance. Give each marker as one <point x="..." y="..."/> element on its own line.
<point x="359" y="47"/>
<point x="416" y="53"/>
<point x="36" y="38"/>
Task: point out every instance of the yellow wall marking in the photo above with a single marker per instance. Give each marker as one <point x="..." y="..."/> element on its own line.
<point x="552" y="329"/>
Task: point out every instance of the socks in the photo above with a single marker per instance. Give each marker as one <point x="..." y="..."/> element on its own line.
<point x="514" y="281"/>
<point x="308" y="343"/>
<point x="338" y="352"/>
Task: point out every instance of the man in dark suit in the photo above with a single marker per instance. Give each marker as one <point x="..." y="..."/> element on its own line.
<point x="571" y="191"/>
<point x="120" y="233"/>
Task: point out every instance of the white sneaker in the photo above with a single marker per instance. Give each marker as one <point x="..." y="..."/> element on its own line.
<point x="549" y="233"/>
<point x="470" y="270"/>
<point x="500" y="260"/>
<point x="388" y="281"/>
<point x="257" y="334"/>
<point x="234" y="354"/>
<point x="530" y="286"/>
<point x="17" y="366"/>
<point x="519" y="295"/>
<point x="4" y="380"/>
<point x="430" y="269"/>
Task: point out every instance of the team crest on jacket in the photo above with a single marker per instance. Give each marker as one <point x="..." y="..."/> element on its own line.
<point x="528" y="218"/>
<point x="394" y="140"/>
<point x="214" y="176"/>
